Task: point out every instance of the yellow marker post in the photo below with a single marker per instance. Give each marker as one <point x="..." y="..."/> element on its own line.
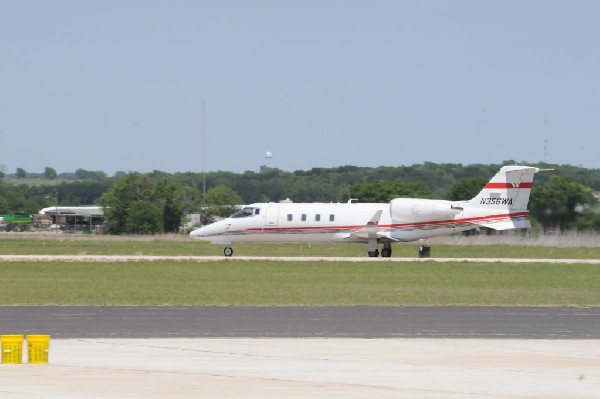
<point x="12" y="349"/>
<point x="38" y="346"/>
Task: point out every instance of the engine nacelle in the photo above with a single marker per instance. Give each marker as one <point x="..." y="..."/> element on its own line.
<point x="410" y="210"/>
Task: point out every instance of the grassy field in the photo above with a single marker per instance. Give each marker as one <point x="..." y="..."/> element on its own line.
<point x="271" y="283"/>
<point x="264" y="283"/>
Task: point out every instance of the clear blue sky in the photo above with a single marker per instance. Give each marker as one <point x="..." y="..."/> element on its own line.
<point x="119" y="85"/>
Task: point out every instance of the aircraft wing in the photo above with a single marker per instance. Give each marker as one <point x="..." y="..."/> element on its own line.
<point x="369" y="231"/>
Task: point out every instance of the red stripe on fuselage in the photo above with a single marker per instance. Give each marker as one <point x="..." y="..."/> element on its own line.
<point x="488" y="218"/>
<point x="509" y="185"/>
<point x="439" y="223"/>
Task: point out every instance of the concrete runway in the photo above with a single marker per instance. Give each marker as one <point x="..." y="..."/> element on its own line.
<point x="308" y="368"/>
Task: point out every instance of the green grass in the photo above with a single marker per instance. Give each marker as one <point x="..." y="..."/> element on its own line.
<point x="268" y="283"/>
<point x="102" y="245"/>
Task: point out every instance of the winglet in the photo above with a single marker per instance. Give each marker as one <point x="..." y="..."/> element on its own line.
<point x="370" y="229"/>
<point x="374" y="221"/>
<point x="369" y="232"/>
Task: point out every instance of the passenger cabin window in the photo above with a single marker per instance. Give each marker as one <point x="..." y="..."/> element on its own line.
<point x="245" y="212"/>
<point x="304" y="217"/>
<point x="317" y="217"/>
<point x="331" y="217"/>
<point x="290" y="217"/>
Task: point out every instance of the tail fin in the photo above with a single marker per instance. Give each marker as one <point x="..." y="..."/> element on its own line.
<point x="507" y="193"/>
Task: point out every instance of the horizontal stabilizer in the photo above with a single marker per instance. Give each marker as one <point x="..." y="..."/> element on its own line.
<point x="521" y="223"/>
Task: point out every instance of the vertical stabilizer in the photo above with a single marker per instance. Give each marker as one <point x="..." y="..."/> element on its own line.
<point x="508" y="190"/>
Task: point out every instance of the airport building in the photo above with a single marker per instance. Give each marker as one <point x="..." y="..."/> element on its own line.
<point x="72" y="219"/>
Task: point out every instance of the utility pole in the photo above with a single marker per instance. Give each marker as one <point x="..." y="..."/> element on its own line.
<point x="203" y="155"/>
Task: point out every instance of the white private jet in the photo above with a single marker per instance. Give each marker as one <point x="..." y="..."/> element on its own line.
<point x="501" y="205"/>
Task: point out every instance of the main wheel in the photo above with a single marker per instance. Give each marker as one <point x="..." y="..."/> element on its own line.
<point x="228" y="251"/>
<point x="386" y="252"/>
<point x="373" y="254"/>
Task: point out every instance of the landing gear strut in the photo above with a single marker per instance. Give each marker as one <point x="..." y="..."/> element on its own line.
<point x="373" y="251"/>
<point x="424" y="251"/>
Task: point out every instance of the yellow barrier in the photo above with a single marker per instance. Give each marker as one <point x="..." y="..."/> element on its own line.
<point x="37" y="348"/>
<point x="12" y="349"/>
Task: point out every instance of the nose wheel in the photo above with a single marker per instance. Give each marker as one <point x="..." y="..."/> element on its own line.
<point x="228" y="251"/>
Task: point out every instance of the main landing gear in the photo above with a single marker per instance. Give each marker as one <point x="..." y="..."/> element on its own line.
<point x="228" y="251"/>
<point x="386" y="251"/>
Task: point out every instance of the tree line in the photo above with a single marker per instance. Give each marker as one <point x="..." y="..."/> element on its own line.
<point x="50" y="173"/>
<point x="157" y="201"/>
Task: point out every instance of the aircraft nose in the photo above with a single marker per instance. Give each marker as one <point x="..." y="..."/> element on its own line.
<point x="199" y="232"/>
<point x="209" y="230"/>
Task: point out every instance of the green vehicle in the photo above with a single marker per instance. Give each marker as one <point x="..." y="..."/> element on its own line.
<point x="18" y="221"/>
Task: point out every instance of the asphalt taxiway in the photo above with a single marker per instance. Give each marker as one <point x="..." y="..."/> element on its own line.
<point x="302" y="322"/>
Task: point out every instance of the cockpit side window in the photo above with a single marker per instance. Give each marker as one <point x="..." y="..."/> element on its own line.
<point x="245" y="212"/>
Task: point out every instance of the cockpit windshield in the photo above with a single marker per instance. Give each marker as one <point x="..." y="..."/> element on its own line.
<point x="246" y="212"/>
